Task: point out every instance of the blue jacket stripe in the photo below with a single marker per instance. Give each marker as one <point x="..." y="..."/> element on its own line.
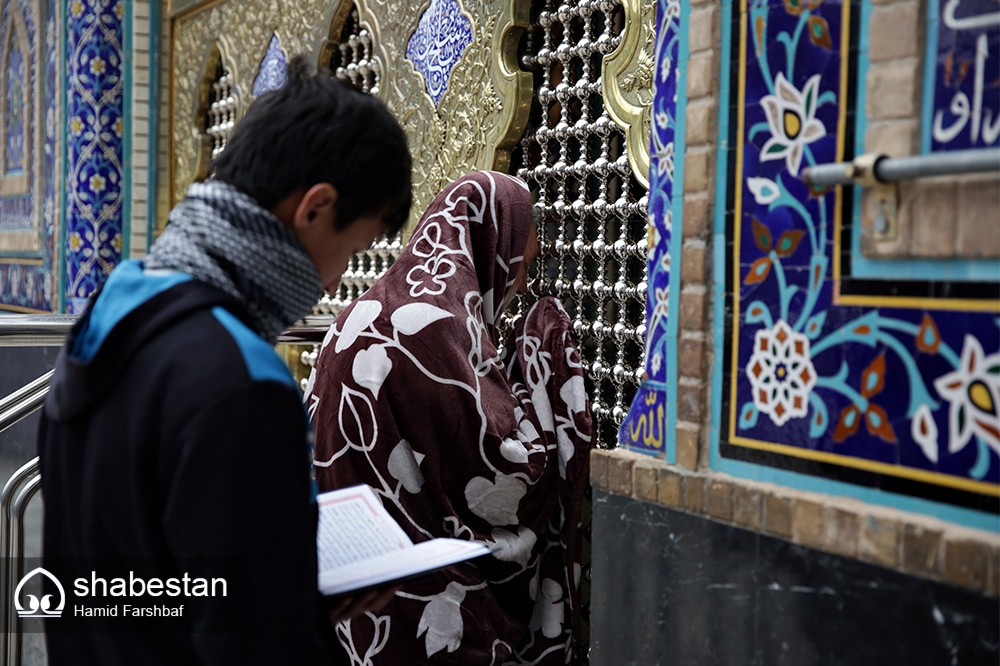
<point x="263" y="363"/>
<point x="128" y="287"/>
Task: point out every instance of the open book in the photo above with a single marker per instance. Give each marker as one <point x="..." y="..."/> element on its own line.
<point x="360" y="545"/>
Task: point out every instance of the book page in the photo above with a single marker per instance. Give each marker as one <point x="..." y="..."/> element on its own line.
<point x="354" y="526"/>
<point x="399" y="564"/>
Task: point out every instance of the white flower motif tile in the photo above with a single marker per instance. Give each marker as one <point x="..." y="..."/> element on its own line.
<point x="973" y="391"/>
<point x="442" y="35"/>
<point x="791" y="117"/>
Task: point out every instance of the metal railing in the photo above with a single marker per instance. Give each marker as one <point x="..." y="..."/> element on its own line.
<point x="17" y="493"/>
<point x="21" y="487"/>
<point x="24" y="401"/>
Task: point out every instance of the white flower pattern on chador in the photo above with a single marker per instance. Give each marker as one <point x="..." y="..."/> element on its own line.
<point x="441" y="620"/>
<point x="412" y="396"/>
<point x="791" y="117"/>
<point x="429" y="277"/>
<point x="781" y="373"/>
<point x="548" y="612"/>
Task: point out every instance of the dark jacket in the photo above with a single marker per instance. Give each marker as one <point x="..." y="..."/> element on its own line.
<point x="174" y="441"/>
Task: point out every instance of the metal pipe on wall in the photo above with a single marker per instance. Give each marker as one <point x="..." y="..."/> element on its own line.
<point x="892" y="169"/>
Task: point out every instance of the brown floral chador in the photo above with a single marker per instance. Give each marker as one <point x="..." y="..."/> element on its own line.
<point x="411" y="396"/>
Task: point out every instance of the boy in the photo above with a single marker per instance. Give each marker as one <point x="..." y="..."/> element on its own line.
<point x="174" y="441"/>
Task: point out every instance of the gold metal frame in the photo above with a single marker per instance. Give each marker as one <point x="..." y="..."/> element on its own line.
<point x="484" y="111"/>
<point x="507" y="75"/>
<point x="627" y="83"/>
<point x="337" y="21"/>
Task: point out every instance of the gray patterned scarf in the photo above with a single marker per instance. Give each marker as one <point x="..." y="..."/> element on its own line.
<point x="220" y="236"/>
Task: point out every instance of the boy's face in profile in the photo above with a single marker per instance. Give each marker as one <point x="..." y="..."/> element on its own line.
<point x="331" y="249"/>
<point x="314" y="224"/>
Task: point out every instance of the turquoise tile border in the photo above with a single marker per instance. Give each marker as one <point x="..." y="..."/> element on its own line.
<point x="665" y="203"/>
<point x="677" y="232"/>
<point x="719" y="257"/>
<point x="927" y="102"/>
<point x="946" y="512"/>
<point x="719" y="235"/>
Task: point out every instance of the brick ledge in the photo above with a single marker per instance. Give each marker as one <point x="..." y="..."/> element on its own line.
<point x="911" y="543"/>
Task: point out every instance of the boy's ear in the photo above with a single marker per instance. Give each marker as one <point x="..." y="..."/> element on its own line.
<point x="318" y="204"/>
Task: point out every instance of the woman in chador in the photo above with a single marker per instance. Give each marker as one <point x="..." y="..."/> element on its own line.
<point x="411" y="396"/>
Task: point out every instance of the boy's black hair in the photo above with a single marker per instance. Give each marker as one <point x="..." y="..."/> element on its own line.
<point x="315" y="129"/>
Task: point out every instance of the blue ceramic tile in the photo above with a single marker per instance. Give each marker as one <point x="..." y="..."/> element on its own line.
<point x="436" y="46"/>
<point x="965" y="110"/>
<point x="33" y="286"/>
<point x="649" y="404"/>
<point x="17" y="107"/>
<point x="94" y="226"/>
<point x="273" y="69"/>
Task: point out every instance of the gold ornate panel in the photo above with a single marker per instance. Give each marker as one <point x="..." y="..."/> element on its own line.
<point x="209" y="26"/>
<point x="474" y="124"/>
<point x="627" y="82"/>
<point x="484" y="109"/>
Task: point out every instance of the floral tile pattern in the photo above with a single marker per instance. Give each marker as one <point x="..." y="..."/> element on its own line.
<point x="644" y="427"/>
<point x="16" y="107"/>
<point x="899" y="395"/>
<point x="437" y="44"/>
<point x="272" y="73"/>
<point x="96" y="131"/>
<point x="23" y="285"/>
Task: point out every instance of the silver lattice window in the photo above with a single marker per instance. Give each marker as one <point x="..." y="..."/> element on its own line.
<point x="221" y="114"/>
<point x="351" y="60"/>
<point x="593" y="239"/>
